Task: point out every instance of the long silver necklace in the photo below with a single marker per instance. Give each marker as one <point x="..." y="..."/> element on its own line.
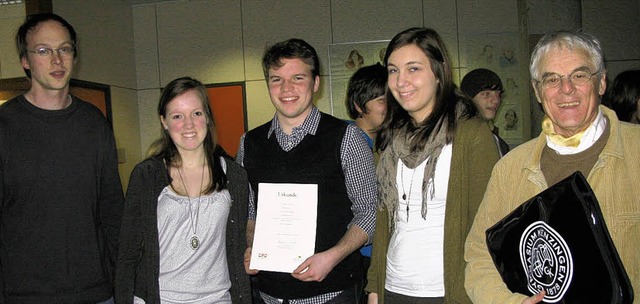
<point x="405" y="197"/>
<point x="194" y="242"/>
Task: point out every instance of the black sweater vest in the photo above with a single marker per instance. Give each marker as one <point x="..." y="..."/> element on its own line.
<point x="315" y="160"/>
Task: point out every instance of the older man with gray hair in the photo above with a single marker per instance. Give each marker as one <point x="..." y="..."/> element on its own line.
<point x="578" y="134"/>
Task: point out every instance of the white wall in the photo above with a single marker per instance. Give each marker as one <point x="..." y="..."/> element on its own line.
<point x="107" y="56"/>
<point x="11" y="16"/>
<point x="617" y="25"/>
<point x="223" y="40"/>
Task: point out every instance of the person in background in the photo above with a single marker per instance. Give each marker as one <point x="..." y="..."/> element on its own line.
<point x="436" y="158"/>
<point x="182" y="238"/>
<point x="303" y="145"/>
<point x="366" y="100"/>
<point x="485" y="89"/>
<point x="578" y="134"/>
<point x="624" y="96"/>
<point x="59" y="185"/>
<point x="367" y="105"/>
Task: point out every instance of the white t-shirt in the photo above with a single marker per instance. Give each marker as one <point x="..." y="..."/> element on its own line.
<point x="415" y="254"/>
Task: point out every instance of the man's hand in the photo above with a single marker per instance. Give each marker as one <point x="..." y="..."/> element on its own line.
<point x="535" y="298"/>
<point x="316" y="267"/>
<point x="247" y="261"/>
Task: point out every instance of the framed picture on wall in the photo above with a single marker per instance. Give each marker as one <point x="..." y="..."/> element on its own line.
<point x="344" y="60"/>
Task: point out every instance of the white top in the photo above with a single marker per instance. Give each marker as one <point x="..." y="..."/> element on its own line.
<point x="415" y="255"/>
<point x="188" y="275"/>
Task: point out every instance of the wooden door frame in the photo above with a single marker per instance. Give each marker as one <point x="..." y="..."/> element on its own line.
<point x="244" y="97"/>
<point x="15" y="86"/>
<point x="245" y="124"/>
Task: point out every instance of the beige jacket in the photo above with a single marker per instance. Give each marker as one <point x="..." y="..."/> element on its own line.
<point x="615" y="179"/>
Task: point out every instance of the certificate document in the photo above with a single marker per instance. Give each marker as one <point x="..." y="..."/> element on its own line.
<point x="285" y="232"/>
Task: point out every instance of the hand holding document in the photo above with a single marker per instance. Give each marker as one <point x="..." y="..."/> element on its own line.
<point x="285" y="232"/>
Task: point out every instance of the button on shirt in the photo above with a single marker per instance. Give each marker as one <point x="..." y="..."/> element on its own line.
<point x="359" y="173"/>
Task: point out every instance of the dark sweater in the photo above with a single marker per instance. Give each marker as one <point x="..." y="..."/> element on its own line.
<point x="557" y="167"/>
<point x="61" y="203"/>
<point x="138" y="266"/>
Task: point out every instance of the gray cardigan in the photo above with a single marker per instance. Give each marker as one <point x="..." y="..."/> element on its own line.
<point x="137" y="267"/>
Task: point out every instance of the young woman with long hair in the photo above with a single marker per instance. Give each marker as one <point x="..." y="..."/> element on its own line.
<point x="436" y="158"/>
<point x="182" y="238"/>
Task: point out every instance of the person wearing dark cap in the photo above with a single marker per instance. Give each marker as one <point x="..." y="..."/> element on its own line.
<point x="485" y="89"/>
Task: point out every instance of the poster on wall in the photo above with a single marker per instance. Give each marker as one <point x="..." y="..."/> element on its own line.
<point x="344" y="60"/>
<point x="503" y="54"/>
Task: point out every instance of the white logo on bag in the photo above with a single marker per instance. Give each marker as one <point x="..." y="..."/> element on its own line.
<point x="546" y="260"/>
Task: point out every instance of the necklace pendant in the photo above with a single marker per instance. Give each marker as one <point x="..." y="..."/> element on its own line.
<point x="195" y="242"/>
<point x="407" y="212"/>
<point x="404" y="196"/>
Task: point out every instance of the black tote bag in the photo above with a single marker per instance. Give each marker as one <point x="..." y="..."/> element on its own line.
<point x="558" y="241"/>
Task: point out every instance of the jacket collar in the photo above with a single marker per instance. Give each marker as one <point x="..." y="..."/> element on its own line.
<point x="612" y="148"/>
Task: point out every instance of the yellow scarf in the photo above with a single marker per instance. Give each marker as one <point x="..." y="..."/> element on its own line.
<point x="573" y="141"/>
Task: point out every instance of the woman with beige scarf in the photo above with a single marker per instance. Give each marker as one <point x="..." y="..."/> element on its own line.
<point x="436" y="158"/>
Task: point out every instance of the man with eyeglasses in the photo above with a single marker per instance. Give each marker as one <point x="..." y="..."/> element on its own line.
<point x="568" y="77"/>
<point x="60" y="192"/>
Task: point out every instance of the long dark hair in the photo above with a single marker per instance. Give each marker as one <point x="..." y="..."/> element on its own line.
<point x="166" y="149"/>
<point x="447" y="94"/>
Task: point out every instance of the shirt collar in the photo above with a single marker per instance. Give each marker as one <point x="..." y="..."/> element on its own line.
<point x="308" y="126"/>
<point x="590" y="136"/>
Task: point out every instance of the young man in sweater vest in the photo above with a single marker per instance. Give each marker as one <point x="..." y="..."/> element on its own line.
<point x="302" y="145"/>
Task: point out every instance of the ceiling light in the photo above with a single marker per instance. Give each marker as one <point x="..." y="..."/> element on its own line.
<point x="9" y="2"/>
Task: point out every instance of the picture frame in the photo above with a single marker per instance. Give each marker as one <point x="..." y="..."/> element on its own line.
<point x="344" y="60"/>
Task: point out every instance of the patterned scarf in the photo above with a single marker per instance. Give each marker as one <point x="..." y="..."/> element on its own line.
<point x="399" y="148"/>
<point x="572" y="141"/>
